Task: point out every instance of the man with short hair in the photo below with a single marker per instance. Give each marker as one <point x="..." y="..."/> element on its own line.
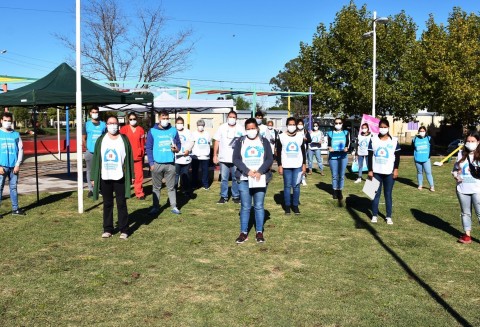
<point x="225" y="138"/>
<point x="11" y="156"/>
<point x="264" y="131"/>
<point x="92" y="130"/>
<point x="162" y="144"/>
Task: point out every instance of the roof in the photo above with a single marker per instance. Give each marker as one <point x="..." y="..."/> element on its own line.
<point x="59" y="88"/>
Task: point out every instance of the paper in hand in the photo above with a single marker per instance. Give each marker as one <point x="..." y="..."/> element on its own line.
<point x="371" y="187"/>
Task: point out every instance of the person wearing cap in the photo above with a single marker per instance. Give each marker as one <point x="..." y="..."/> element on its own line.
<point x="136" y="137"/>
<point x="201" y="154"/>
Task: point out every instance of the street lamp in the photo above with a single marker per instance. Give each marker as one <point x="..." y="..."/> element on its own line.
<point x="373" y="33"/>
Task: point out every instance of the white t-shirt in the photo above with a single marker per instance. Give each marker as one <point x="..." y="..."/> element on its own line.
<point x="113" y="156"/>
<point x="291" y="150"/>
<point x="384" y="154"/>
<point x="469" y="185"/>
<point x="187" y="143"/>
<point x="363" y="142"/>
<point x="227" y="136"/>
<point x="252" y="153"/>
<point x="317" y="140"/>
<point x="201" y="147"/>
<point x="265" y="132"/>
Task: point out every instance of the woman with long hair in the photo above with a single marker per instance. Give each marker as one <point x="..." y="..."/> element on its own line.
<point x="338" y="143"/>
<point x="422" y="145"/>
<point x="362" y="149"/>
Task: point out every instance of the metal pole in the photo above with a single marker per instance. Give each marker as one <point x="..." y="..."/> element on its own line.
<point x="67" y="138"/>
<point x="310" y="109"/>
<point x="78" y="109"/>
<point x="58" y="135"/>
<point x="374" y="77"/>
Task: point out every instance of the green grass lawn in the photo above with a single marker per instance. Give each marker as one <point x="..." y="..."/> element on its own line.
<point x="327" y="267"/>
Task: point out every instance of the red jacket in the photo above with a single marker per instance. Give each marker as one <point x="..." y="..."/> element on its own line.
<point x="137" y="141"/>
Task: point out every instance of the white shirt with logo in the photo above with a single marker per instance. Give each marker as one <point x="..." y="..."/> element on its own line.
<point x="363" y="142"/>
<point x="201" y="147"/>
<point x="187" y="142"/>
<point x="227" y="136"/>
<point x="317" y="139"/>
<point x="252" y="153"/>
<point x="291" y="150"/>
<point x="113" y="156"/>
<point x="384" y="154"/>
<point x="469" y="184"/>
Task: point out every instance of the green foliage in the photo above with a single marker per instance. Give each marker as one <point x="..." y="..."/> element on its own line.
<point x="241" y="103"/>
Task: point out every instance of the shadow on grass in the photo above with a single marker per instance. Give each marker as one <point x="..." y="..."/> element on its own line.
<point x="51" y="198"/>
<point x="354" y="205"/>
<point x="327" y="188"/>
<point x="251" y="222"/>
<point x="406" y="181"/>
<point x="141" y="217"/>
<point x="434" y="221"/>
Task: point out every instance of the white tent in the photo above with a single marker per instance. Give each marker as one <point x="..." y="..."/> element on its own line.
<point x="167" y="102"/>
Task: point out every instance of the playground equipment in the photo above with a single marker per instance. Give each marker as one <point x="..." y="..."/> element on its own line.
<point x="440" y="163"/>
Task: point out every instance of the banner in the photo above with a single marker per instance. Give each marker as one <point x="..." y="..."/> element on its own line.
<point x="372" y="123"/>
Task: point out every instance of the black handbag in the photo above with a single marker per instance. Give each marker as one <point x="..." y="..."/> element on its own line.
<point x="474" y="170"/>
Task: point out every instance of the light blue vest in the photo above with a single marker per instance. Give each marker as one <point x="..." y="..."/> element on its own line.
<point x="162" y="140"/>
<point x="8" y="148"/>
<point x="93" y="133"/>
<point x="421" y="152"/>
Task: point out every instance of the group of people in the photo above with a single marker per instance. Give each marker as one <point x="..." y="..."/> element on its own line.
<point x="114" y="158"/>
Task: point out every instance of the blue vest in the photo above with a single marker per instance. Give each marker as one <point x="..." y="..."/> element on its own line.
<point x="338" y="140"/>
<point x="162" y="141"/>
<point x="421" y="152"/>
<point x="8" y="148"/>
<point x="93" y="133"/>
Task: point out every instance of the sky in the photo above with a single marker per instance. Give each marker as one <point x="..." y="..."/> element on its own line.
<point x="239" y="44"/>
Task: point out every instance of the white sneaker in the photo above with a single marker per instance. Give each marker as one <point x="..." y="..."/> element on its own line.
<point x="304" y="182"/>
<point x="123" y="236"/>
<point x="106" y="235"/>
<point x="359" y="180"/>
<point x="389" y="221"/>
<point x="374" y="219"/>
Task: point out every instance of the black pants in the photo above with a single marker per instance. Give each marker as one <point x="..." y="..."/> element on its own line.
<point x="108" y="187"/>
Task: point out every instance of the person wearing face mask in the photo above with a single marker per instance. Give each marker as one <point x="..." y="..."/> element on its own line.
<point x="252" y="155"/>
<point x="422" y="145"/>
<point x="314" y="149"/>
<point x="362" y="149"/>
<point x="136" y="136"/>
<point x="338" y="144"/>
<point x="264" y="131"/>
<point x="273" y="140"/>
<point x="225" y="138"/>
<point x="291" y="164"/>
<point x="183" y="158"/>
<point x="306" y="141"/>
<point x="383" y="162"/>
<point x="162" y="144"/>
<point x="11" y="157"/>
<point x="113" y="172"/>
<point x="92" y="130"/>
<point x="201" y="154"/>
<point x="468" y="187"/>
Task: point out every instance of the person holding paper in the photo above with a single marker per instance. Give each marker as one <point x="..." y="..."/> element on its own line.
<point x="383" y="162"/>
<point x="338" y="144"/>
<point x="362" y="149"/>
<point x="291" y="161"/>
<point x="252" y="155"/>
<point x="422" y="145"/>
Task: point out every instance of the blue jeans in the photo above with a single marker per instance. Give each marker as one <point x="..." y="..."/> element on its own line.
<point x="196" y="166"/>
<point x="13" y="179"/>
<point x="338" y="167"/>
<point x="291" y="180"/>
<point x="318" y="156"/>
<point x="466" y="202"/>
<point x="227" y="169"/>
<point x="387" y="181"/>
<point x="427" y="167"/>
<point x="246" y="196"/>
<point x="182" y="174"/>
<point x="361" y="161"/>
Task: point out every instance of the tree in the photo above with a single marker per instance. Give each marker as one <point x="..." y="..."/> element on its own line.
<point x="115" y="47"/>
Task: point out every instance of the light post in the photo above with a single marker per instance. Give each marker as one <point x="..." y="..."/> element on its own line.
<point x="373" y="33"/>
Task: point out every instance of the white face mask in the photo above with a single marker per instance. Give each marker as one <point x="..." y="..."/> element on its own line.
<point x="200" y="128"/>
<point x="365" y="130"/>
<point x="270" y="127"/>
<point x="422" y="134"/>
<point x="179" y="126"/>
<point x="291" y="128"/>
<point x="6" y="124"/>
<point x="383" y="130"/>
<point x="164" y="122"/>
<point x="259" y="121"/>
<point x="112" y="129"/>
<point x="315" y="128"/>
<point x="133" y="122"/>
<point x="94" y="116"/>
<point x="232" y="121"/>
<point x="338" y="126"/>
<point x="471" y="146"/>
<point x="300" y="127"/>
<point x="252" y="133"/>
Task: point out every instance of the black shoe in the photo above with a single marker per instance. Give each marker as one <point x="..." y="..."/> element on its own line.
<point x="90" y="194"/>
<point x="340" y="195"/>
<point x="295" y="210"/>
<point x="222" y="201"/>
<point x="241" y="238"/>
<point x="259" y="237"/>
<point x="19" y="212"/>
<point x="287" y="211"/>
<point x="236" y="200"/>
<point x="334" y="195"/>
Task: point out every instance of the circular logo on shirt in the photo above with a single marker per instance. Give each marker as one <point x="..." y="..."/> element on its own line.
<point x="292" y="147"/>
